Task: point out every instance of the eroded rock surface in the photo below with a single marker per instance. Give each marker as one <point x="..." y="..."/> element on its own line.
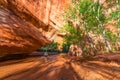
<point x="26" y="25"/>
<point x="46" y="15"/>
<point x="18" y="36"/>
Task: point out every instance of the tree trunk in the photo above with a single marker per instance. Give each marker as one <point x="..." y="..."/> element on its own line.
<point x="92" y="45"/>
<point x="108" y="46"/>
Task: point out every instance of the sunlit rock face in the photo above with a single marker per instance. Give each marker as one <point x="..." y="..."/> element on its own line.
<point x="26" y="25"/>
<point x="46" y="15"/>
<point x="18" y="36"/>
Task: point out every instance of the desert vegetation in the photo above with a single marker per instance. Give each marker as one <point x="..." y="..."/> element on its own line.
<point x="87" y="26"/>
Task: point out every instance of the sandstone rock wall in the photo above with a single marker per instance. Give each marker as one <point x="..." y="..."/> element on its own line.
<point x="46" y="15"/>
<point x="26" y="25"/>
<point x="18" y="36"/>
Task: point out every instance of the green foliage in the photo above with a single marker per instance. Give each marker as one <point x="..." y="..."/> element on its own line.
<point x="110" y="36"/>
<point x="115" y="16"/>
<point x="73" y="35"/>
<point x="89" y="12"/>
<point x="65" y="47"/>
<point x="90" y="20"/>
<point x="52" y="46"/>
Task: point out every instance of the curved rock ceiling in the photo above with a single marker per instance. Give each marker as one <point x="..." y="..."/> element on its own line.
<point x="26" y="25"/>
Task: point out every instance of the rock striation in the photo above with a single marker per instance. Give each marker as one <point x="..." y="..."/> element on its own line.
<point x="18" y="36"/>
<point x="26" y="25"/>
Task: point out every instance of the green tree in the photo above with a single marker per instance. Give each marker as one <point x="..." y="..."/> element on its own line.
<point x="65" y="47"/>
<point x="115" y="16"/>
<point x="85" y="21"/>
<point x="51" y="47"/>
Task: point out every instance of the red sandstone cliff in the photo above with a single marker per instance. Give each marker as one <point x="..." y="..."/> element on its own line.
<point x="46" y="15"/>
<point x="26" y="25"/>
<point x="18" y="36"/>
